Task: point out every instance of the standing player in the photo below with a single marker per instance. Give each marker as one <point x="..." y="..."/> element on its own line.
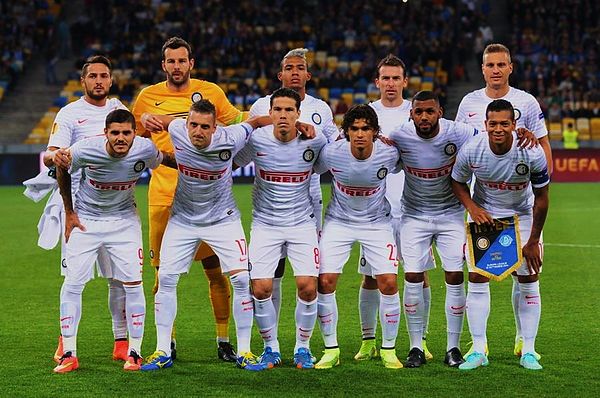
<point x="81" y="119"/>
<point x="496" y="69"/>
<point x="359" y="211"/>
<point x="283" y="217"/>
<point x="392" y="110"/>
<point x="203" y="211"/>
<point x="294" y="74"/>
<point x="105" y="216"/>
<point x="428" y="146"/>
<point x="504" y="174"/>
<point x="174" y="97"/>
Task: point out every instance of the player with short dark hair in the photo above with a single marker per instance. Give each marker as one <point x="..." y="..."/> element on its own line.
<point x="504" y="175"/>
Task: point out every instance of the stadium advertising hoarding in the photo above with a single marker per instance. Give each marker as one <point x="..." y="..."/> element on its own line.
<point x="582" y="165"/>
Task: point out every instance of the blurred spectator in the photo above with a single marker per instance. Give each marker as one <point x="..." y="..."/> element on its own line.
<point x="570" y="137"/>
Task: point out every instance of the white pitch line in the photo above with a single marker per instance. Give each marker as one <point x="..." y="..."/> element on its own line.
<point x="572" y="245"/>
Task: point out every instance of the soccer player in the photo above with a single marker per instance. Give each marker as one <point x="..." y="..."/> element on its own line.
<point x="294" y="74"/>
<point x="203" y="211"/>
<point x="428" y="145"/>
<point x="78" y="120"/>
<point x="283" y="216"/>
<point x="392" y="110"/>
<point x="359" y="212"/>
<point x="174" y="97"/>
<point x="496" y="69"/>
<point x="105" y="216"/>
<point x="504" y="174"/>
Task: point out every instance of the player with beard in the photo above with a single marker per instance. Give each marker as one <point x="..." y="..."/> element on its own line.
<point x="76" y="121"/>
<point x="174" y="97"/>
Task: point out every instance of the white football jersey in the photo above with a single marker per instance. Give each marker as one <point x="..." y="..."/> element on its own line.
<point x="389" y="118"/>
<point x="107" y="187"/>
<point x="358" y="186"/>
<point x="528" y="113"/>
<point x="204" y="186"/>
<point x="502" y="182"/>
<point x="79" y="120"/>
<point x="427" y="167"/>
<point x="312" y="111"/>
<point x="283" y="169"/>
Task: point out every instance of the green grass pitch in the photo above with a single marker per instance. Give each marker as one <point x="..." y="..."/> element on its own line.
<point x="568" y="337"/>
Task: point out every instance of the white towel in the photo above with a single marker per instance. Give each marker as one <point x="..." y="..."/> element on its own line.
<point x="50" y="226"/>
<point x="38" y="187"/>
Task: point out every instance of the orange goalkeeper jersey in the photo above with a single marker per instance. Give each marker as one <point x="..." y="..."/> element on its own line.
<point x="159" y="100"/>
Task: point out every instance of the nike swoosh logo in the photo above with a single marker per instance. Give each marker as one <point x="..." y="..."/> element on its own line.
<point x="260" y="154"/>
<point x="474" y="166"/>
<point x="137" y="315"/>
<point x="411" y="305"/>
<point x="457" y="308"/>
<point x="326" y="315"/>
<point x="246" y="302"/>
<point x="336" y="170"/>
<point x="472" y="114"/>
<point x="65" y="318"/>
<point x="158" y="103"/>
<point x="179" y="149"/>
<point x="81" y="121"/>
<point x="390" y="315"/>
<point x="304" y="330"/>
<point x="531" y="297"/>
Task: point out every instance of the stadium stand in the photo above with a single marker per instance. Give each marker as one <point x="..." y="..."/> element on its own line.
<point x="241" y="51"/>
<point x="557" y="58"/>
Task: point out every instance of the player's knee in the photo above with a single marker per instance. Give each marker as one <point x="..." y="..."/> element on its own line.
<point x="528" y="278"/>
<point x="327" y="283"/>
<point x="211" y="262"/>
<point x="387" y="284"/>
<point x="369" y="283"/>
<point x="307" y="290"/>
<point x="454" y="278"/>
<point x="477" y="278"/>
<point x="280" y="268"/>
<point x="261" y="289"/>
<point x="414" y="277"/>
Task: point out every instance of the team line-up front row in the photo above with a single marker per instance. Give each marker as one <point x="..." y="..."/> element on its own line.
<point x="438" y="157"/>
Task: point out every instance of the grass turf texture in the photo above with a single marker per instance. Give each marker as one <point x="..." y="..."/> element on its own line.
<point x="30" y="284"/>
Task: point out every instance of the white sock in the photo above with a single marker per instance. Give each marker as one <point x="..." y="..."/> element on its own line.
<point x="135" y="309"/>
<point x="266" y="319"/>
<point x="478" y="311"/>
<point x="116" y="304"/>
<point x="243" y="310"/>
<point x="368" y="306"/>
<point x="276" y="297"/>
<point x="389" y="317"/>
<point x="328" y="317"/>
<point x="456" y="301"/>
<point x="516" y="294"/>
<point x="530" y="309"/>
<point x="426" y="309"/>
<point x="413" y="309"/>
<point x="165" y="310"/>
<point x="306" y="316"/>
<point x="70" y="315"/>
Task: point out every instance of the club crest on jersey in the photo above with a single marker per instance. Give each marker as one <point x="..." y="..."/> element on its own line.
<point x="483" y="243"/>
<point x="308" y="155"/>
<point x="316" y="118"/>
<point x="196" y="97"/>
<point x="225" y="155"/>
<point x="139" y="166"/>
<point x="450" y="149"/>
<point x="382" y="172"/>
<point x="517" y="114"/>
<point x="522" y="169"/>
<point x="151" y="253"/>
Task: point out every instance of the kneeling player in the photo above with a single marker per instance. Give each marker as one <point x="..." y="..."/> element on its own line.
<point x="504" y="174"/>
<point x="105" y="217"/>
<point x="359" y="212"/>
